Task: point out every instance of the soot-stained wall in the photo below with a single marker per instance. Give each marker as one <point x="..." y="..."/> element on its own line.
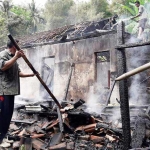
<point x="82" y="53"/>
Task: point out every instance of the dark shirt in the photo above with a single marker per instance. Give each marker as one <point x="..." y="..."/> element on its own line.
<point x="9" y="79"/>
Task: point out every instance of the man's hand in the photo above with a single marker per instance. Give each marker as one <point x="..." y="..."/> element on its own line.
<point x="19" y="53"/>
<point x="131" y="18"/>
<point x="10" y="62"/>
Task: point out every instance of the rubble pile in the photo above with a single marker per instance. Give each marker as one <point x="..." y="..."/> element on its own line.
<point x="42" y="127"/>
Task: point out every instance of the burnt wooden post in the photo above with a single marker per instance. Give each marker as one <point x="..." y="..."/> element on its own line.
<point x="123" y="88"/>
<point x="69" y="79"/>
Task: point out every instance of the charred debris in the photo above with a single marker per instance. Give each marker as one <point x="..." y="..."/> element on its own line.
<point x="38" y="126"/>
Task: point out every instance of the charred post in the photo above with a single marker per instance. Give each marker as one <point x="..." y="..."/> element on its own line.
<point x="123" y="89"/>
<point x="69" y="79"/>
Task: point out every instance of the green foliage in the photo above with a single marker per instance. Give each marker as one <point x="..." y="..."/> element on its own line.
<point x="22" y="25"/>
<point x="100" y="6"/>
<point x="35" y="17"/>
<point x="84" y="12"/>
<point x="121" y="7"/>
<point x="20" y="20"/>
<point x="132" y="27"/>
<point x="56" y="13"/>
<point x="22" y="12"/>
<point x="64" y="12"/>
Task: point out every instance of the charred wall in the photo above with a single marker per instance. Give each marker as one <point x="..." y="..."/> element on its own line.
<point x="82" y="53"/>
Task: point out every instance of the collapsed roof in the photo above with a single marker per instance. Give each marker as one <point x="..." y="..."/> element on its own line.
<point x="67" y="33"/>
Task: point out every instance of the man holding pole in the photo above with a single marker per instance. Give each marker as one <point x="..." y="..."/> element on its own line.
<point x="142" y="19"/>
<point x="9" y="87"/>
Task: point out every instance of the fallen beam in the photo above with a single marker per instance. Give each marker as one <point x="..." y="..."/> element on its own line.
<point x="110" y="92"/>
<point x="69" y="79"/>
<point x="24" y="121"/>
<point x="61" y="125"/>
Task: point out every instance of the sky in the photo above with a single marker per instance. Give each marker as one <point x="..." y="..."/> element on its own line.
<point x="39" y="3"/>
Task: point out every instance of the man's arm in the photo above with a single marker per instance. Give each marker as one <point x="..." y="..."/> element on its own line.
<point x="136" y="16"/>
<point x="10" y="62"/>
<point x="23" y="75"/>
<point x="141" y="9"/>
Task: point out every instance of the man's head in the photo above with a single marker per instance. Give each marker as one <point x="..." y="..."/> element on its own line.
<point x="11" y="46"/>
<point x="137" y="3"/>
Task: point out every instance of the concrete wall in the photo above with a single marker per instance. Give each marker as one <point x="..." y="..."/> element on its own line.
<point x="82" y="53"/>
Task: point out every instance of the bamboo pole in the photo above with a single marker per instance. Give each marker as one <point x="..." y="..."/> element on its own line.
<point x="133" y="72"/>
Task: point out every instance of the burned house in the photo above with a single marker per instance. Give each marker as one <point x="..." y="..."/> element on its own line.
<point x="90" y="50"/>
<point x="83" y="60"/>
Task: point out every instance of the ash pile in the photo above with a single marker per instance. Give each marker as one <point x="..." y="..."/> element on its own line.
<point x="42" y="127"/>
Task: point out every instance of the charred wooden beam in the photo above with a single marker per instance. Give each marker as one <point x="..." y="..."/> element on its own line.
<point x="85" y="36"/>
<point x="123" y="89"/>
<point x="69" y="79"/>
<point x="52" y="113"/>
<point x="24" y="121"/>
<point x="78" y="113"/>
<point x="130" y="45"/>
<point x="61" y="126"/>
<point x="79" y="103"/>
<point x="45" y="108"/>
<point x="110" y="92"/>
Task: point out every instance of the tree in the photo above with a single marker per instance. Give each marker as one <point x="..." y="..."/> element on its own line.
<point x="11" y="19"/>
<point x="89" y="11"/>
<point x="35" y="17"/>
<point x="117" y="6"/>
<point x="5" y="7"/>
<point x="57" y="13"/>
<point x="20" y="28"/>
<point x="81" y="12"/>
<point x="101" y="6"/>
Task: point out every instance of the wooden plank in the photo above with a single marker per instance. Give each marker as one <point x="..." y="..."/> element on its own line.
<point x="24" y="121"/>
